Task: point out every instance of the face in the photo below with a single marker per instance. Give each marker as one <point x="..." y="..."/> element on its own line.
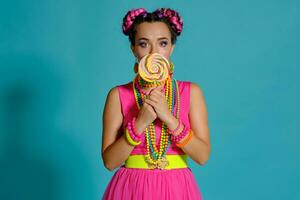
<point x="152" y="37"/>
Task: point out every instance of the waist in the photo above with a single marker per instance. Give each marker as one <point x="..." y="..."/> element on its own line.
<point x="174" y="161"/>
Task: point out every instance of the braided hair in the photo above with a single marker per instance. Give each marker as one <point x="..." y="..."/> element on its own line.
<point x="136" y="16"/>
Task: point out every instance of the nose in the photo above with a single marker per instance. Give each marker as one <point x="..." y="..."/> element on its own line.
<point x="153" y="49"/>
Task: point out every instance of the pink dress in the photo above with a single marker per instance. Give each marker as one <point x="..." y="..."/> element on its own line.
<point x="149" y="184"/>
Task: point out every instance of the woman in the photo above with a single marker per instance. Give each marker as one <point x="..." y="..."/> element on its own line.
<point x="153" y="128"/>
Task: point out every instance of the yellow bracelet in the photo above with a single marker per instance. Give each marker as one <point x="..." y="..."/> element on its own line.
<point x="130" y="140"/>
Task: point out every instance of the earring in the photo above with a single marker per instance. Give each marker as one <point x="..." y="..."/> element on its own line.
<point x="171" y="69"/>
<point x="136" y="65"/>
<point x="135" y="68"/>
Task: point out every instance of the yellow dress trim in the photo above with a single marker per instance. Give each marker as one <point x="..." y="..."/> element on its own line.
<point x="175" y="161"/>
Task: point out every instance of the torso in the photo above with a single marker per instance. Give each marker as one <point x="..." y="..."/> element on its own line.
<point x="129" y="110"/>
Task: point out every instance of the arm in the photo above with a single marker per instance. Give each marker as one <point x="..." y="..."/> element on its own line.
<point x="114" y="150"/>
<point x="199" y="146"/>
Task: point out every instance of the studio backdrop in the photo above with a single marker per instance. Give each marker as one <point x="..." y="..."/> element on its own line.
<point x="59" y="59"/>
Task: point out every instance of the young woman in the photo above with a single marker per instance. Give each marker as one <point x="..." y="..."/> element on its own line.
<point x="154" y="128"/>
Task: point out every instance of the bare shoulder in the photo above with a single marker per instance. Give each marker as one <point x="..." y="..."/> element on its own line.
<point x="112" y="104"/>
<point x="113" y="93"/>
<point x="195" y="87"/>
<point x="196" y="93"/>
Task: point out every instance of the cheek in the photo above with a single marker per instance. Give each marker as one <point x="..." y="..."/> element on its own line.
<point x="165" y="53"/>
<point x="140" y="52"/>
<point x="141" y="55"/>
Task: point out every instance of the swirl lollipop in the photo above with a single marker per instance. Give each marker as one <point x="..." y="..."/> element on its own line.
<point x="154" y="68"/>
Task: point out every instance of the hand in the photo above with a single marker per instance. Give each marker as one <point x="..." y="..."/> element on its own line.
<point x="158" y="101"/>
<point x="145" y="117"/>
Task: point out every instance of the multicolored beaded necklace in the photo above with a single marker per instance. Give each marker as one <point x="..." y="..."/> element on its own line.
<point x="156" y="157"/>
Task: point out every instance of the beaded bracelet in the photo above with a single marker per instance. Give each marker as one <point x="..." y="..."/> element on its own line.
<point x="176" y="129"/>
<point x="181" y="135"/>
<point x="138" y="135"/>
<point x="182" y="144"/>
<point x="132" y="130"/>
<point x="130" y="140"/>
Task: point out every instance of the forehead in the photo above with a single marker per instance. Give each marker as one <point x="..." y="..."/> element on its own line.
<point x="152" y="30"/>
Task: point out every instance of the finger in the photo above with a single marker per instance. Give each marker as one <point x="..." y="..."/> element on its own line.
<point x="158" y="92"/>
<point x="158" y="96"/>
<point x="148" y="106"/>
<point x="155" y="97"/>
<point x="157" y="88"/>
<point x="150" y="102"/>
<point x="155" y="91"/>
<point x="150" y="97"/>
<point x="160" y="87"/>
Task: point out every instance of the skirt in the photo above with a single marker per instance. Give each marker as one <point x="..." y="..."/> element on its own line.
<point x="147" y="184"/>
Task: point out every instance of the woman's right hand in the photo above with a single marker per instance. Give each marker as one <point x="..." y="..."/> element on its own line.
<point x="145" y="117"/>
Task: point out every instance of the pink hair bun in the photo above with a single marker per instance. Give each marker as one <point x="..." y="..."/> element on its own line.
<point x="174" y="18"/>
<point x="129" y="18"/>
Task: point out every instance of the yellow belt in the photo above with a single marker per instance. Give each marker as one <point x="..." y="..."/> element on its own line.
<point x="175" y="161"/>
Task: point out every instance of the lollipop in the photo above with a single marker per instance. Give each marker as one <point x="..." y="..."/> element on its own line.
<point x="154" y="68"/>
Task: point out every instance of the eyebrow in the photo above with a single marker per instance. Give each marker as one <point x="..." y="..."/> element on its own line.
<point x="161" y="38"/>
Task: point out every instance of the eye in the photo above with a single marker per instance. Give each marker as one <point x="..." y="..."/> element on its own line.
<point x="142" y="44"/>
<point x="164" y="43"/>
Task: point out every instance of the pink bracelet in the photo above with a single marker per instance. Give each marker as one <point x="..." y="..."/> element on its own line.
<point x="139" y="135"/>
<point x="132" y="131"/>
<point x="181" y="135"/>
<point x="176" y="129"/>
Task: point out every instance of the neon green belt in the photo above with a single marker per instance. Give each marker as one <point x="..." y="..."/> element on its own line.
<point x="175" y="161"/>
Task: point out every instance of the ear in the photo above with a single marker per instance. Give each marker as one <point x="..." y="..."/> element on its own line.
<point x="172" y="48"/>
<point x="132" y="49"/>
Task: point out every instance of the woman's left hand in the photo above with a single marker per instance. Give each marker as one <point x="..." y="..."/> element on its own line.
<point x="158" y="101"/>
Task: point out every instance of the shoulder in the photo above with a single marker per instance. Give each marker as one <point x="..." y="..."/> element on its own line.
<point x="195" y="88"/>
<point x="125" y="86"/>
<point x="112" y="96"/>
<point x="113" y="102"/>
<point x="114" y="91"/>
<point x="196" y="93"/>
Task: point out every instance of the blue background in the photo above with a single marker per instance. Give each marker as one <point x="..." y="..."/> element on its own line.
<point x="59" y="59"/>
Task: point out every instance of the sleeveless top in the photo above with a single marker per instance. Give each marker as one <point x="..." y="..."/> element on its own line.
<point x="129" y="110"/>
